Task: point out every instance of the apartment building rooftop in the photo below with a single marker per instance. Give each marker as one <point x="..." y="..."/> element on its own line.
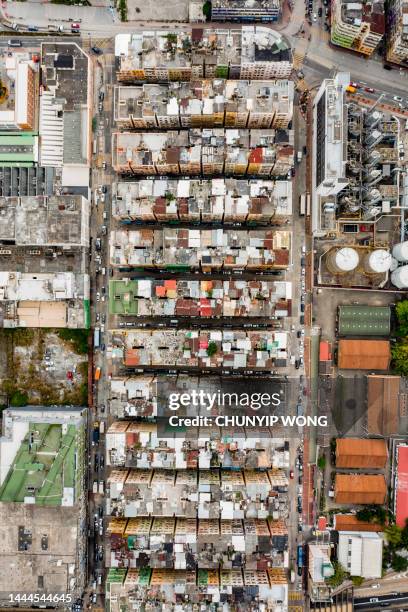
<point x="205" y="298"/>
<point x="40" y="453"/>
<point x="236" y="349"/>
<point x="227" y="200"/>
<point x="58" y="299"/>
<point x="195" y="248"/>
<point x="18" y="102"/>
<point x="64" y="110"/>
<point x="205" y="103"/>
<point x="203" y="585"/>
<point x="207" y="151"/>
<point x="242" y="10"/>
<point x="372" y="13"/>
<point x="171" y="56"/>
<point x="190" y="494"/>
<point x="161" y="542"/>
<point x="43" y="551"/>
<point x="44" y="220"/>
<point x="145" y="446"/>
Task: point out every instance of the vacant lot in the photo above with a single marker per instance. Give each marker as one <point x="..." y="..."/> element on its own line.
<point x="44" y="367"/>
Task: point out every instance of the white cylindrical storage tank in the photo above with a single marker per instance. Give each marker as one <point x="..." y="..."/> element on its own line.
<point x="400" y="251"/>
<point x="343" y="260"/>
<point x="399" y="277"/>
<point x="378" y="262"/>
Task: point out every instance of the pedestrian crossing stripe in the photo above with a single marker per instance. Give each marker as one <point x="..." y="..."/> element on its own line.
<point x="295" y="595"/>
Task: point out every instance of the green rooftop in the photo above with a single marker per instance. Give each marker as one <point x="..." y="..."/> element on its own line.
<point x="18" y="148"/>
<point x="355" y="320"/>
<point x="123" y="297"/>
<point x="44" y="465"/>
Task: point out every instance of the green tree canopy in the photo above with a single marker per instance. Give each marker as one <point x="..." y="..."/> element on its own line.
<point x="393" y="534"/>
<point x="401" y="310"/>
<point x="399" y="354"/>
<point x="399" y="563"/>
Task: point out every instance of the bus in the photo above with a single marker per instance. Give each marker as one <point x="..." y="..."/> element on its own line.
<point x="302" y="205"/>
<point x="97" y="373"/>
<point x="308" y="204"/>
<point x="97" y="337"/>
<point x="300" y="556"/>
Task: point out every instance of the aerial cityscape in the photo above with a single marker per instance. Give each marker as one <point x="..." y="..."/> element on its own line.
<point x="204" y="305"/>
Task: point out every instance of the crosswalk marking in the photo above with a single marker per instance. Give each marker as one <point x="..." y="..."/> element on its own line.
<point x="295" y="595"/>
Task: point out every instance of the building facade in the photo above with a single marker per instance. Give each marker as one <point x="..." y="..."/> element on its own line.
<point x="358" y="26"/>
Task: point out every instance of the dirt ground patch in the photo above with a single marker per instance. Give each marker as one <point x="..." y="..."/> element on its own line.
<point x="40" y="368"/>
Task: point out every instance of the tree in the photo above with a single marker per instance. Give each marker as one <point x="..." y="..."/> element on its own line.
<point x="393" y="534"/>
<point x="401" y="310"/>
<point x="19" y="398"/>
<point x="212" y="349"/>
<point x="207" y="10"/>
<point x="399" y="354"/>
<point x="372" y="514"/>
<point x="357" y="580"/>
<point x="321" y="462"/>
<point x="339" y="575"/>
<point x="404" y="535"/>
<point x="399" y="563"/>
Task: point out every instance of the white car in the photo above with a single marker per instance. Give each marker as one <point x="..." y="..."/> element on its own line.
<point x="314" y="17"/>
<point x="397" y="98"/>
<point x="98" y="296"/>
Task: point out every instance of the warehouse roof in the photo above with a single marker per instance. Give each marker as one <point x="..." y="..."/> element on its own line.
<point x="364" y="354"/>
<point x="349" y="522"/>
<point x="383" y="396"/>
<point x="364" y="320"/>
<point x="360" y="489"/>
<point x="361" y="453"/>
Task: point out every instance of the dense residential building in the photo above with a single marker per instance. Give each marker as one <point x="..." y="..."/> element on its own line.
<point x="205" y="298"/>
<point x="210" y="103"/>
<point x="320" y="568"/>
<point x="184" y="248"/>
<point x="59" y="299"/>
<point x="19" y="96"/>
<point x="204" y="152"/>
<point x="42" y="239"/>
<point x="241" y="10"/>
<point x="397" y="32"/>
<point x="359" y="26"/>
<point x="251" y="52"/>
<point x="186" y="200"/>
<point x="42" y="494"/>
<point x="201" y="348"/>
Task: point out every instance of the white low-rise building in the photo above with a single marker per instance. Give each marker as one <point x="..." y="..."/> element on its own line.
<point x="360" y="553"/>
